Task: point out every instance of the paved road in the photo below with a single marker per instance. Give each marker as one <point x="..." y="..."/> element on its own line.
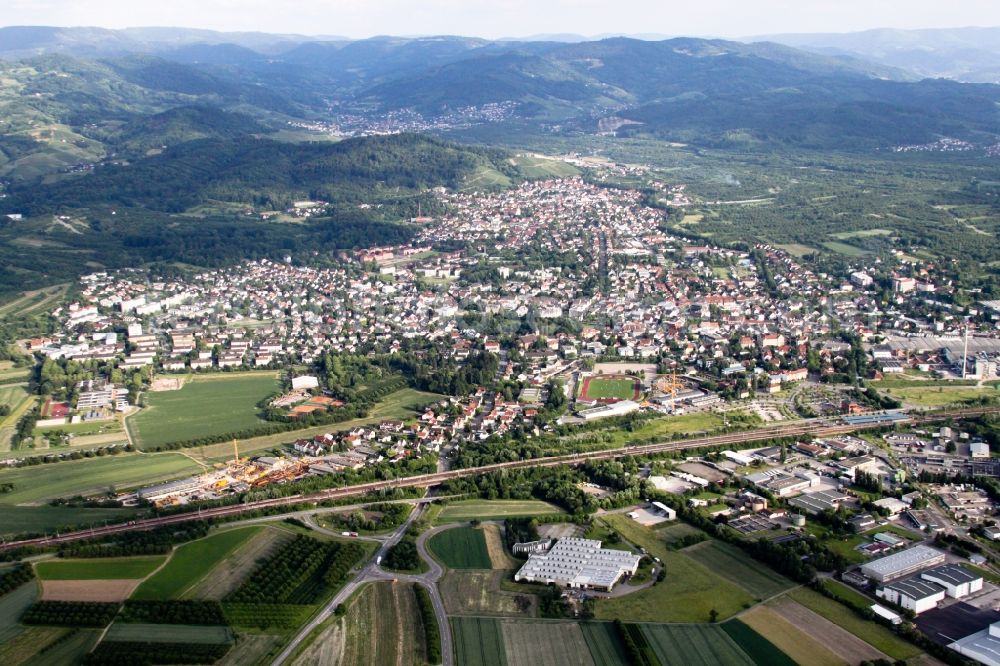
<point x="370" y="571"/>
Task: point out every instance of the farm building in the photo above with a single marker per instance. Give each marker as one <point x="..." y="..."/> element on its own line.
<point x="579" y="563"/>
<point x="662" y="508"/>
<point x="903" y="563"/>
<point x="913" y="594"/>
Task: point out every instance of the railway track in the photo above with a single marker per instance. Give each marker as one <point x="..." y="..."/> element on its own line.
<point x="811" y="427"/>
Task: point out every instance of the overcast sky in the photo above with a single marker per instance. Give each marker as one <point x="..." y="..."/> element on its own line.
<point x="508" y="18"/>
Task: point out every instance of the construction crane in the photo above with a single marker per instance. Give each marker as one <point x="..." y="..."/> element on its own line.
<point x="236" y="452"/>
<point x="670" y="385"/>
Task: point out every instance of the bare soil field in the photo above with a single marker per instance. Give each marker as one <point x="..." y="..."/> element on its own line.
<point x="327" y="649"/>
<point x="227" y="575"/>
<point x="88" y="590"/>
<point x="849" y="647"/>
<point x="167" y="384"/>
<point x="495" y="547"/>
<point x="479" y="593"/>
<point x="788" y="638"/>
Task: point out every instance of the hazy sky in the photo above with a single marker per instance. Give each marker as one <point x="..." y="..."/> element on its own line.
<point x="505" y="18"/>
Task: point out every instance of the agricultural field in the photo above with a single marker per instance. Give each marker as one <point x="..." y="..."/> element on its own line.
<point x="12" y="606"/>
<point x="874" y="634"/>
<point x="200" y="408"/>
<point x="191" y="562"/>
<point x="22" y="519"/>
<point x="227" y="574"/>
<point x="605" y="647"/>
<point x="109" y="568"/>
<point x="681" y="596"/>
<point x="381" y="627"/>
<point x="790" y="638"/>
<point x="550" y="643"/>
<point x="845" y="645"/>
<point x="121" y="632"/>
<point x="465" y="510"/>
<point x="478" y="641"/>
<point x="694" y="645"/>
<point x="480" y="593"/>
<point x="33" y="485"/>
<point x="461" y="548"/>
<point x="29" y="645"/>
<point x="762" y="651"/>
<point x="733" y="564"/>
<point x="677" y="531"/>
<point x="534" y="166"/>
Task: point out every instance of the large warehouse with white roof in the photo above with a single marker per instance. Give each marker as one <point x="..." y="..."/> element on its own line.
<point x="580" y="563"/>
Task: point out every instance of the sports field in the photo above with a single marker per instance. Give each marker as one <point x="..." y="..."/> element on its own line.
<point x="191" y="562"/>
<point x="610" y="388"/>
<point x="733" y="564"/>
<point x="461" y="548"/>
<point x="460" y="512"/>
<point x="694" y="645"/>
<point x="202" y="407"/>
<point x="111" y="568"/>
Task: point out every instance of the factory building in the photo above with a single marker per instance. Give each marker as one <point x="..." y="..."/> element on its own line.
<point x="579" y="563"/>
<point x="902" y="564"/>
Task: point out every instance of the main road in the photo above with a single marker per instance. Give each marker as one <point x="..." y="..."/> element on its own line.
<point x="807" y="427"/>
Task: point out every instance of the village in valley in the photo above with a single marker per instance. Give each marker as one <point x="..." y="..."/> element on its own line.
<point x="564" y="317"/>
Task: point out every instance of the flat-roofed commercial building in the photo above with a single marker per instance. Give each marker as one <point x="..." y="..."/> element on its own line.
<point x="913" y="594"/>
<point x="579" y="563"/>
<point x="902" y="564"/>
<point x="957" y="581"/>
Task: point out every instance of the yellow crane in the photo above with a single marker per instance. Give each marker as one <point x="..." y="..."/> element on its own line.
<point x="670" y="385"/>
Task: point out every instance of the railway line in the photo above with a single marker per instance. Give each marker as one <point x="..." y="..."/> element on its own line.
<point x="819" y="427"/>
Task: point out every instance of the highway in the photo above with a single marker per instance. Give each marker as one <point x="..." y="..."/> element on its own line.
<point x="809" y="427"/>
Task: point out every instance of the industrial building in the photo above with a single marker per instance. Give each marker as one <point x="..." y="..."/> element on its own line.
<point x="913" y="594"/>
<point x="902" y="564"/>
<point x="620" y="408"/>
<point x="983" y="646"/>
<point x="163" y="490"/>
<point x="579" y="563"/>
<point x="957" y="581"/>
